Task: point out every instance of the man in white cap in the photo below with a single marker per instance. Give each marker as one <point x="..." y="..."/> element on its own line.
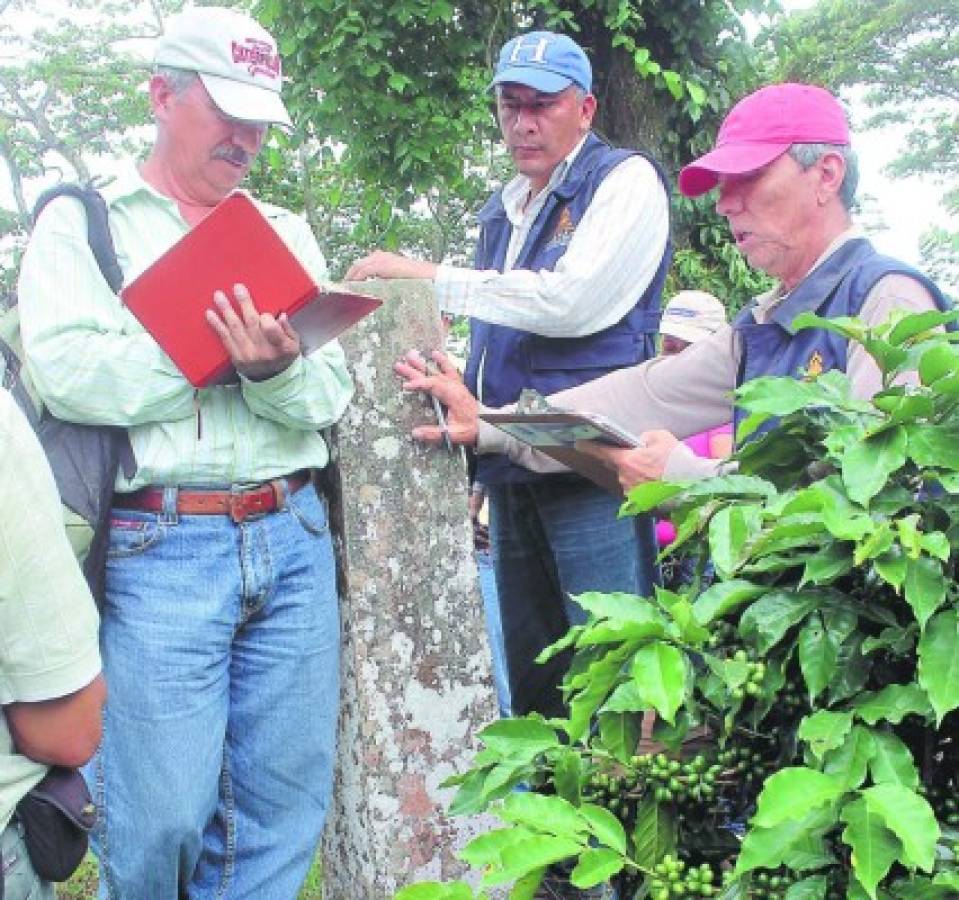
<point x="786" y="175"/>
<point x="565" y="287"/>
<point x="220" y="628"/>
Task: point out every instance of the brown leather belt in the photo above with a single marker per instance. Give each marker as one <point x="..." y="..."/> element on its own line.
<point x="240" y="504"/>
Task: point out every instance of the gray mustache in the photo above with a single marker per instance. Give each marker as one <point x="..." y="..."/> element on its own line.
<point x="232" y="154"/>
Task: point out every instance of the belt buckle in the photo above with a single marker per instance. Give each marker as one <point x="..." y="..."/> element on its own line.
<point x="250" y="504"/>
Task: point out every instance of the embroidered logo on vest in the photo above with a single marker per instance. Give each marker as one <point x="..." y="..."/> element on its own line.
<point x="815" y="365"/>
<point x="563" y="232"/>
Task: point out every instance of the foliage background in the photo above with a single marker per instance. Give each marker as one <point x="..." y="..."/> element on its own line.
<point x="396" y="143"/>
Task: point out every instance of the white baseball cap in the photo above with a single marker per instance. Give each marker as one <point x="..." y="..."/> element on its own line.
<point x="692" y="315"/>
<point x="236" y="58"/>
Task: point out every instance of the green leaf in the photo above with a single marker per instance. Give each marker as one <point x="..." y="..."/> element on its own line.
<point x="592" y="685"/>
<point x="534" y="853"/>
<point x="830" y="563"/>
<point x="659" y="672"/>
<point x="526" y="887"/>
<point x="619" y="607"/>
<point x="818" y="653"/>
<point x="924" y="587"/>
<point x="729" y="532"/>
<point x="655" y="832"/>
<point x="867" y="465"/>
<point x="568" y="775"/>
<point x="793" y="792"/>
<point x="435" y="890"/>
<point x="847" y="763"/>
<point x="937" y="362"/>
<point x="910" y="818"/>
<point x="824" y="730"/>
<point x="813" y="888"/>
<point x="875" y="544"/>
<point x="596" y="866"/>
<point x="541" y="812"/>
<point x="874" y="847"/>
<point x="933" y="446"/>
<point x="891" y="566"/>
<point x="939" y="662"/>
<point x="486" y="849"/>
<point x="648" y="495"/>
<point x="522" y="738"/>
<point x="674" y="84"/>
<point x="470" y="798"/>
<point x="916" y="323"/>
<point x="688" y="630"/>
<point x="620" y="733"/>
<point x="696" y="93"/>
<point x="892" y="704"/>
<point x="724" y="597"/>
<point x="798" y="840"/>
<point x="626" y="698"/>
<point x="766" y="622"/>
<point x="604" y="826"/>
<point x="891" y="762"/>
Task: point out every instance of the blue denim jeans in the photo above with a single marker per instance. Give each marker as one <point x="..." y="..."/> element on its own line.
<point x="20" y="881"/>
<point x="494" y="629"/>
<point x="220" y="648"/>
<point x="552" y="538"/>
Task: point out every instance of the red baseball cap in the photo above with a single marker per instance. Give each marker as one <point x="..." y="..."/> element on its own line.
<point x="763" y="126"/>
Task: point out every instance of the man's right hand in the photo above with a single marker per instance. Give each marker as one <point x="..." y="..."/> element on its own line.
<point x="442" y="381"/>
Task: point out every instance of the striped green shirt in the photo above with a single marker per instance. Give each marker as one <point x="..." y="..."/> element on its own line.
<point x="94" y="363"/>
<point x="48" y="623"/>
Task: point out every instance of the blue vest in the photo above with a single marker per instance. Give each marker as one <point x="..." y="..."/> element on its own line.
<point x="836" y="288"/>
<point x="513" y="359"/>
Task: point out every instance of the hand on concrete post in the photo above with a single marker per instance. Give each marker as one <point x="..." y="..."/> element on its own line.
<point x="447" y="386"/>
<point x="381" y="264"/>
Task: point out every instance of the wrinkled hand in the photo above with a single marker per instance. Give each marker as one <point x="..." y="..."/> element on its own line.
<point x="447" y="386"/>
<point x="259" y="345"/>
<point x="634" y="465"/>
<point x="381" y="264"/>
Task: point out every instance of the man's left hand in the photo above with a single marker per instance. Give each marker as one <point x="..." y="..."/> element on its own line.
<point x="381" y="264"/>
<point x="634" y="465"/>
<point x="260" y="345"/>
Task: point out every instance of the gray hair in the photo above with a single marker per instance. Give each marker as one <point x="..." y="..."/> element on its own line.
<point x="807" y="155"/>
<point x="179" y="80"/>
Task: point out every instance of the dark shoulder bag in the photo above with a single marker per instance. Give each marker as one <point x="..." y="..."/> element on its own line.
<point x="57" y="816"/>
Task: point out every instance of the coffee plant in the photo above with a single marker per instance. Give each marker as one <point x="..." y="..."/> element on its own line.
<point x="806" y="738"/>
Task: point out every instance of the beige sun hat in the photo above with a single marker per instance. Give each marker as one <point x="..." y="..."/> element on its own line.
<point x="692" y="315"/>
<point x="236" y="58"/>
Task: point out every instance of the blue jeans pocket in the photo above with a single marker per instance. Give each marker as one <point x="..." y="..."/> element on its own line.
<point x="132" y="533"/>
<point x="309" y="510"/>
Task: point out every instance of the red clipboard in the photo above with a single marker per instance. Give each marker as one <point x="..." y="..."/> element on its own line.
<point x="234" y="244"/>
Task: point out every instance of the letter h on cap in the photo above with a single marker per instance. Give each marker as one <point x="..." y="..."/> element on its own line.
<point x="538" y="50"/>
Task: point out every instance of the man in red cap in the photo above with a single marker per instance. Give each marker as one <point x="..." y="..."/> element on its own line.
<point x="786" y="177"/>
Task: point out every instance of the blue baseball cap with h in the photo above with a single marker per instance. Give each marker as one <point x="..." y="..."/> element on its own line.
<point x="544" y="61"/>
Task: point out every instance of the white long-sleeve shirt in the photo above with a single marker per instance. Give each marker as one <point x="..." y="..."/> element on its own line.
<point x="610" y="261"/>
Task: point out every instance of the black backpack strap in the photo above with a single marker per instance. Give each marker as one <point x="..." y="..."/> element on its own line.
<point x="12" y="382"/>
<point x="98" y="227"/>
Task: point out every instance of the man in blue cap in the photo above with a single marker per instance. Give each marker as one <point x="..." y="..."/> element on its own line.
<point x="565" y="287"/>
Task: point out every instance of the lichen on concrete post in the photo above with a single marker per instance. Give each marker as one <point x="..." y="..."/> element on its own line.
<point x="415" y="672"/>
